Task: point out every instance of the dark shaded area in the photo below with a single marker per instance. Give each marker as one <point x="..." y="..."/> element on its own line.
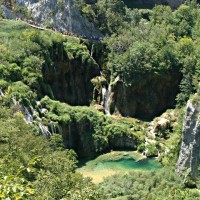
<point x="147" y="98"/>
<point x="142" y="4"/>
<point x="71" y="82"/>
<point x="80" y="137"/>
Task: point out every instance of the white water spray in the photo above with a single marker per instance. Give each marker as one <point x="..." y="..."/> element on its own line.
<point x="1" y="93"/>
<point x="28" y="115"/>
<point x="45" y="132"/>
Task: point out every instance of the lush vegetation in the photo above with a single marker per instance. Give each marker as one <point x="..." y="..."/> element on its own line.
<point x="137" y="44"/>
<point x="34" y="168"/>
<point x="163" y="184"/>
<point x="97" y="133"/>
<point x="26" y="54"/>
<point x="143" y="42"/>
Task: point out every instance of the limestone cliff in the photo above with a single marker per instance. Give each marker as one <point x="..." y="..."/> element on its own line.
<point x="71" y="81"/>
<point x="62" y="15"/>
<point x="147" y="98"/>
<point x="189" y="158"/>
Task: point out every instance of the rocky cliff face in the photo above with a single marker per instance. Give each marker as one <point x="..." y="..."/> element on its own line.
<point x="71" y="81"/>
<point x="62" y="15"/>
<point x="145" y="99"/>
<point x="189" y="158"/>
<point x="80" y="137"/>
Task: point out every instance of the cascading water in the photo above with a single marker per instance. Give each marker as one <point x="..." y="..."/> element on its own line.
<point x="45" y="132"/>
<point x="14" y="101"/>
<point x="92" y="49"/>
<point x="104" y="94"/>
<point x="28" y="116"/>
<point x="1" y="93"/>
<point x="107" y="96"/>
<point x="108" y="100"/>
<point x="52" y="127"/>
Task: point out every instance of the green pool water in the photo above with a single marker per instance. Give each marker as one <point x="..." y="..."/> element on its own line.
<point x="119" y="160"/>
<point x="127" y="164"/>
<point x="115" y="162"/>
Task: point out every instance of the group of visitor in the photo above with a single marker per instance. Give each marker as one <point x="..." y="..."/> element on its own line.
<point x="89" y="37"/>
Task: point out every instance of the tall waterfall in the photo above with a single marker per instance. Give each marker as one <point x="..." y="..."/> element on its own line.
<point x="107" y="96"/>
<point x="106" y="99"/>
<point x="104" y="94"/>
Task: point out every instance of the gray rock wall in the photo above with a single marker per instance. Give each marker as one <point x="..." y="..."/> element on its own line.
<point x="63" y="16"/>
<point x="189" y="157"/>
<point x="8" y="14"/>
<point x="146" y="98"/>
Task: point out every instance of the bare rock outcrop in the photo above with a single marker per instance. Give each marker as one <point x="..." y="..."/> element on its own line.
<point x="61" y="15"/>
<point x="189" y="157"/>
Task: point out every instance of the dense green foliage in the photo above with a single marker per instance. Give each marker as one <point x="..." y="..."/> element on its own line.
<point x="26" y="54"/>
<point x="155" y="42"/>
<point x="34" y="168"/>
<point x="96" y="129"/>
<point x="163" y="184"/>
<point x="138" y="44"/>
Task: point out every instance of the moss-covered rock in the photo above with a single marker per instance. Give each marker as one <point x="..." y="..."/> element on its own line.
<point x="88" y="131"/>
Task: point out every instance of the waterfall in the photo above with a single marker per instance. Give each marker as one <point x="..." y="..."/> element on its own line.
<point x="52" y="127"/>
<point x="108" y="99"/>
<point x="104" y="94"/>
<point x="14" y="101"/>
<point x="45" y="132"/>
<point x="28" y="115"/>
<point x="1" y="93"/>
<point x="107" y="96"/>
<point x="92" y="49"/>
